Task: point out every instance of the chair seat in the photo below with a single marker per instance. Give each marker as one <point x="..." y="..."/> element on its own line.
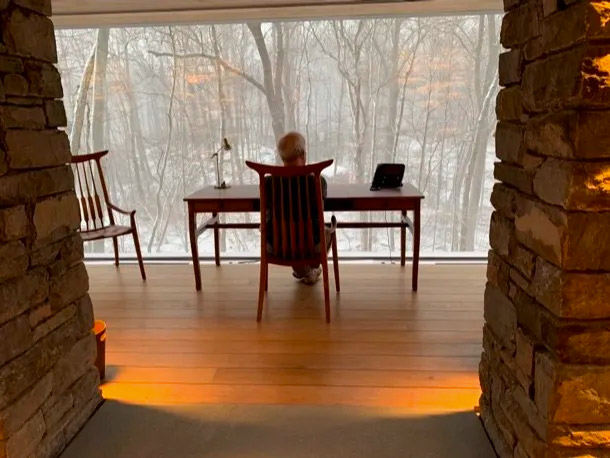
<point x="105" y="232"/>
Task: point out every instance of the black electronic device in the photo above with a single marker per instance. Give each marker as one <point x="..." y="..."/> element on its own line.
<point x="388" y="176"/>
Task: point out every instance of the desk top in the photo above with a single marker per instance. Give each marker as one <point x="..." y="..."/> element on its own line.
<point x="334" y="192"/>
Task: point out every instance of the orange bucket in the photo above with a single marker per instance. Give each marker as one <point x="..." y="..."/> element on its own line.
<point x="99" y="329"/>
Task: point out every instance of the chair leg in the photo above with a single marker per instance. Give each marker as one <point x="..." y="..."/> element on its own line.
<point x="326" y="290"/>
<point x="136" y="242"/>
<point x="115" y="243"/>
<point x="336" y="263"/>
<point x="261" y="289"/>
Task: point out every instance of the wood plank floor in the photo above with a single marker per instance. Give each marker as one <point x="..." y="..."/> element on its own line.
<point x="385" y="346"/>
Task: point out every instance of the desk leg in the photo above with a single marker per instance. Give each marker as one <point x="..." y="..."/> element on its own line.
<point x="416" y="234"/>
<point x="403" y="241"/>
<point x="194" y="249"/>
<point x="216" y="240"/>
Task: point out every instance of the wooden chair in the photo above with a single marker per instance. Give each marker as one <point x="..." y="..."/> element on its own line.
<point x="95" y="225"/>
<point x="294" y="195"/>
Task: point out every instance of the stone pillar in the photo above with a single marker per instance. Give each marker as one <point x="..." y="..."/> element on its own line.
<point x="545" y="369"/>
<point x="48" y="383"/>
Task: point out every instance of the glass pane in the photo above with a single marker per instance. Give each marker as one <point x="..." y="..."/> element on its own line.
<point x="420" y="91"/>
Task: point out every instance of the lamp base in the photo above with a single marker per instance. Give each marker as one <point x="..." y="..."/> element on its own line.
<point x="222" y="186"/>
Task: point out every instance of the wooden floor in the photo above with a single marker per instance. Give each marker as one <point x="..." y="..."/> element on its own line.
<point x="385" y="346"/>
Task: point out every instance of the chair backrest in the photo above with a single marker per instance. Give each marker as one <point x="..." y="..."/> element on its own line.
<point x="293" y="196"/>
<point x="91" y="191"/>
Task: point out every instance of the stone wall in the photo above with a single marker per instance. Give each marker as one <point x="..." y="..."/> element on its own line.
<point x="48" y="384"/>
<point x="545" y="369"/>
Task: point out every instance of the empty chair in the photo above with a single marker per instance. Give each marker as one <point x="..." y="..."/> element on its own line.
<point x="97" y="218"/>
<point x="294" y="234"/>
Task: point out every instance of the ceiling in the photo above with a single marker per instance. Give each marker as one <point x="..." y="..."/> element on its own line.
<point x="95" y="13"/>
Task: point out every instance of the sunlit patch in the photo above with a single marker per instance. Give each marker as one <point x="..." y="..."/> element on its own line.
<point x="603" y="9"/>
<point x="601" y="65"/>
<point x="600" y="182"/>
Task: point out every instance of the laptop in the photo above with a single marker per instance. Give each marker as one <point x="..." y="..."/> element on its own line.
<point x="388" y="176"/>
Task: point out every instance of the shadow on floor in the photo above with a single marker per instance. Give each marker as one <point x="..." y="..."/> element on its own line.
<point x="120" y="430"/>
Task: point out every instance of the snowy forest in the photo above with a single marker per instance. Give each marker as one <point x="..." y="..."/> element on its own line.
<point x="415" y="90"/>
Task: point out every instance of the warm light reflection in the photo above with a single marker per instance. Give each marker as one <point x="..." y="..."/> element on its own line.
<point x="603" y="9"/>
<point x="602" y="66"/>
<point x="600" y="182"/>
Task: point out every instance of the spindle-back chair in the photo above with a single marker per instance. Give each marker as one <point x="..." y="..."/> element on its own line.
<point x="293" y="195"/>
<point x="97" y="218"/>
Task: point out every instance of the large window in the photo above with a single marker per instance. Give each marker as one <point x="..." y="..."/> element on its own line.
<point x="419" y="91"/>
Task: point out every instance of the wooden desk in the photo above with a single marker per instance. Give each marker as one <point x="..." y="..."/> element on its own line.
<point x="340" y="198"/>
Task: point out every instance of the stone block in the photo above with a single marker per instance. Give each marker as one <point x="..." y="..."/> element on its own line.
<point x="503" y="200"/>
<point x="74" y="364"/>
<point x="574" y="185"/>
<point x="509" y="142"/>
<point x="510" y="67"/>
<point x="51" y="446"/>
<point x="509" y="104"/>
<point x="85" y="387"/>
<point x="14" y="117"/>
<point x="72" y="250"/>
<point x="501" y="316"/>
<point x="528" y="439"/>
<point x="519" y="25"/>
<point x="580" y="436"/>
<point x="549" y="7"/>
<point x="40" y="313"/>
<point x="518" y="279"/>
<point x="24" y="101"/>
<point x="572" y="295"/>
<point x="44" y="80"/>
<point x="53" y="322"/>
<point x="493" y="431"/>
<point x="22" y="372"/>
<point x="10" y="64"/>
<point x="15" y="338"/>
<point x="13" y="223"/>
<point x="514" y="176"/>
<point x="29" y="34"/>
<point x="16" y="296"/>
<point x="579" y="77"/>
<point x="570" y="135"/>
<point x="532" y="50"/>
<point x="27" y="187"/>
<point x="587" y="242"/>
<point x="524" y="260"/>
<point x="500" y="234"/>
<point x="14" y="260"/>
<point x="24" y="442"/>
<point x="56" y="113"/>
<point x="572" y="394"/>
<point x="71" y="286"/>
<point x="39" y="6"/>
<point x="498" y="272"/>
<point x="55" y="408"/>
<point x="528" y="407"/>
<point x="541" y="228"/>
<point x="16" y="415"/>
<point x="81" y="416"/>
<point x="28" y="149"/>
<point x="84" y="310"/>
<point x="56" y="217"/>
<point x="583" y="21"/>
<point x="15" y="84"/>
<point x="524" y="356"/>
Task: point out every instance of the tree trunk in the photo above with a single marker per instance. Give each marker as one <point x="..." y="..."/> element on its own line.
<point x="78" y="116"/>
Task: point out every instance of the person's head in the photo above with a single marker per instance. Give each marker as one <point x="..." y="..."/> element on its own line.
<point x="292" y="149"/>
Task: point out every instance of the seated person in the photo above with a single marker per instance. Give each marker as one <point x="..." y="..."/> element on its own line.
<point x="292" y="150"/>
